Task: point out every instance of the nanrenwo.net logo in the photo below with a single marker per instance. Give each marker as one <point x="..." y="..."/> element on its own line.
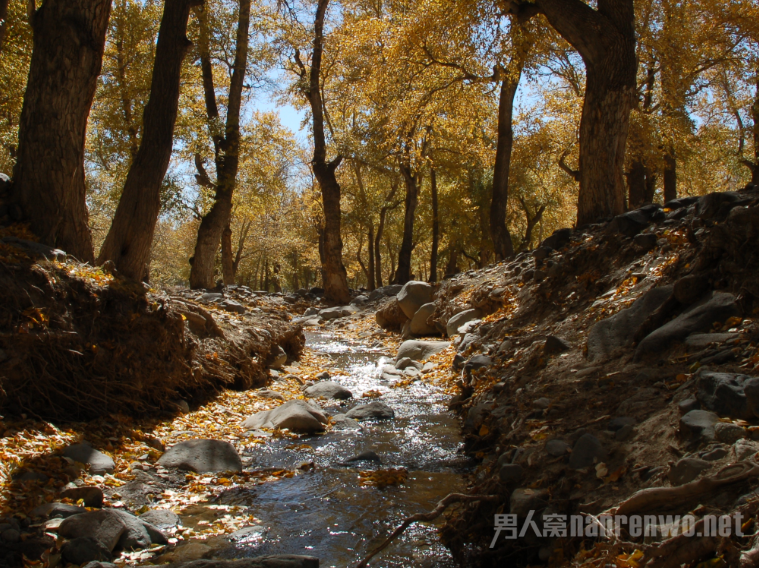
<point x="606" y="526"/>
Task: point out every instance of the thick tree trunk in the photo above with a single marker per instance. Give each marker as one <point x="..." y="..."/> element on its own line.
<point x="499" y="231"/>
<point x="670" y="175"/>
<point x="754" y="166"/>
<point x="389" y="205"/>
<point x="452" y="267"/>
<point x="227" y="151"/>
<point x="130" y="237"/>
<point x="371" y="275"/>
<point x="227" y="258"/>
<point x="3" y="17"/>
<point x="403" y="273"/>
<point x="605" y="38"/>
<point x="435" y="226"/>
<point x="69" y="40"/>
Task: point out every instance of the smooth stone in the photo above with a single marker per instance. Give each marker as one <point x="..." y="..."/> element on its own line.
<point x="555" y="345"/>
<point x="268" y="393"/>
<point x="342" y="422"/>
<point x="56" y="511"/>
<point x="365" y="456"/>
<point x="296" y="415"/>
<point x="461" y="318"/>
<point x="478" y="362"/>
<point x="420" y="350"/>
<point x="99" y="462"/>
<point x="586" y="452"/>
<point x="85" y="549"/>
<point x="557" y="448"/>
<point x="714" y="454"/>
<point x="328" y="389"/>
<point x="698" y="424"/>
<point x="161" y="518"/>
<point x="112" y="528"/>
<point x="728" y="433"/>
<point x="373" y="411"/>
<point x="686" y="470"/>
<point x="202" y="456"/>
<point x="413" y="296"/>
<point x="723" y="393"/>
<point x="91" y="496"/>
<point x="419" y="325"/>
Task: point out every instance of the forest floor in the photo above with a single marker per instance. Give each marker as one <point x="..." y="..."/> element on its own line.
<point x="607" y="372"/>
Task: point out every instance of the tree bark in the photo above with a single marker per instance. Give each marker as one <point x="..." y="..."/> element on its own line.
<point x="130" y="237"/>
<point x="226" y="147"/>
<point x="435" y="226"/>
<point x="371" y="273"/>
<point x="3" y="18"/>
<point x="403" y="273"/>
<point x="389" y="205"/>
<point x="68" y="45"/>
<point x="754" y="165"/>
<point x="605" y="39"/>
<point x="670" y="175"/>
<point x="227" y="258"/>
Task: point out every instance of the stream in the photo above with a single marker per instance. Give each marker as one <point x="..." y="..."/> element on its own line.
<point x="325" y="512"/>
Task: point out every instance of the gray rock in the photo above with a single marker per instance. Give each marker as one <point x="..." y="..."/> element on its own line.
<point x="555" y="345"/>
<point x="745" y="449"/>
<point x="273" y="561"/>
<point x="628" y="224"/>
<point x="411" y="372"/>
<point x="478" y="362"/>
<point x="373" y="411"/>
<point x="685" y="406"/>
<point x="616" y="424"/>
<point x="456" y="321"/>
<point x="323" y="376"/>
<point x="413" y="296"/>
<point x="728" y="433"/>
<point x="702" y="340"/>
<point x="342" y="422"/>
<point x="202" y="456"/>
<point x="467" y="340"/>
<point x="280" y="358"/>
<point x="714" y="453"/>
<point x="557" y="448"/>
<point x="359" y="300"/>
<point x="686" y="470"/>
<point x="523" y="500"/>
<point x="85" y="549"/>
<point x="394" y="369"/>
<point x="337" y="312"/>
<point x="419" y="325"/>
<point x="268" y="393"/>
<point x="56" y="511"/>
<point x="617" y="332"/>
<point x="587" y="452"/>
<point x="232" y="306"/>
<point x="511" y="473"/>
<point x="328" y="389"/>
<point x="161" y="518"/>
<point x="84" y="453"/>
<point x="723" y="393"/>
<point x="541" y="403"/>
<point x="296" y="415"/>
<point x="406" y="362"/>
<point x="406" y="330"/>
<point x="311" y="312"/>
<point x="717" y="307"/>
<point x="209" y="297"/>
<point x="91" y="496"/>
<point x="698" y="424"/>
<point x="420" y="350"/>
<point x="113" y="529"/>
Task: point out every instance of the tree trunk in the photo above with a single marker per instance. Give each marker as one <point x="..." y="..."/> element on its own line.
<point x="227" y="149"/>
<point x="670" y="175"/>
<point x="371" y="274"/>
<point x="130" y="237"/>
<point x="435" y="226"/>
<point x="334" y="274"/>
<point x="636" y="185"/>
<point x="754" y="166"/>
<point x="403" y="273"/>
<point x="380" y="229"/>
<point x="227" y="258"/>
<point x="68" y="45"/>
<point x="605" y="38"/>
<point x="452" y="268"/>
<point x="3" y="18"/>
<point x="499" y="231"/>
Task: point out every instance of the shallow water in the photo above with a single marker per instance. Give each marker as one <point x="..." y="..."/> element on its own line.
<point x="325" y="512"/>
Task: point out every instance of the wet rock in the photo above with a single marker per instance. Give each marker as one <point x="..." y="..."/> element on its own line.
<point x="85" y="549"/>
<point x="161" y="518"/>
<point x="723" y="393"/>
<point x="112" y="528"/>
<point x="698" y="424"/>
<point x="274" y="561"/>
<point x="557" y="448"/>
<point x="202" y="456"/>
<point x="586" y="452"/>
<point x="420" y="350"/>
<point x="645" y="241"/>
<point x="413" y="296"/>
<point x="523" y="500"/>
<point x="555" y="345"/>
<point x="686" y="470"/>
<point x="279" y="358"/>
<point x="328" y="389"/>
<point x="373" y="411"/>
<point x="342" y="422"/>
<point x="617" y="332"/>
<point x="419" y="325"/>
<point x="717" y="307"/>
<point x="728" y="433"/>
<point x="56" y="511"/>
<point x="91" y="496"/>
<point x="84" y="453"/>
<point x="296" y="415"/>
<point x="364" y="456"/>
<point x="461" y="318"/>
<point x="510" y="473"/>
<point x="690" y="289"/>
<point x="745" y="449"/>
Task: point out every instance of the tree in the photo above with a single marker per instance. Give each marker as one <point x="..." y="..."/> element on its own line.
<point x="3" y="20"/>
<point x="129" y="240"/>
<point x="226" y="144"/>
<point x="605" y="39"/>
<point x="69" y="39"/>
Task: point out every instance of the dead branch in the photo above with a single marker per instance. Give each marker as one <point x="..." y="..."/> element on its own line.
<point x="447" y="501"/>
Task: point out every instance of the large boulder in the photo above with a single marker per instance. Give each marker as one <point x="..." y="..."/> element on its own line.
<point x="296" y="415"/>
<point x="328" y="389"/>
<point x="456" y="321"/>
<point x="419" y="325"/>
<point x="723" y="393"/>
<point x="274" y="561"/>
<point x="391" y="316"/>
<point x="84" y="453"/>
<point x="112" y="529"/>
<point x="717" y="307"/>
<point x="617" y="331"/>
<point x="420" y="350"/>
<point x="202" y="456"/>
<point x="413" y="296"/>
<point x="373" y="411"/>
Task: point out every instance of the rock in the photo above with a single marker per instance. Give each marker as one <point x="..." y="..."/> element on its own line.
<point x="686" y="470"/>
<point x="557" y="448"/>
<point x="10" y="535"/>
<point x="34" y="249"/>
<point x="728" y="433"/>
<point x="511" y="473"/>
<point x="209" y="297"/>
<point x="420" y="350"/>
<point x="274" y="561"/>
<point x="161" y="518"/>
<point x="617" y="332"/>
<point x="91" y="496"/>
<point x="391" y="316"/>
<point x="587" y="452"/>
<point x="395" y="369"/>
<point x="717" y="307"/>
<point x="411" y="372"/>
<point x="232" y="306"/>
<point x="296" y="415"/>
<point x="714" y="453"/>
<point x="555" y="345"/>
<point x="406" y="331"/>
<point x="268" y="393"/>
<point x="85" y="549"/>
<point x="406" y="362"/>
<point x="616" y="424"/>
<point x="456" y="321"/>
<point x="419" y="325"/>
<point x="337" y="312"/>
<point x="328" y="389"/>
<point x="690" y="289"/>
<point x="98" y="564"/>
<point x="30" y="475"/>
<point x="84" y="453"/>
<point x="680" y="203"/>
<point x="112" y="528"/>
<point x="56" y="511"/>
<point x="698" y="424"/>
<point x="558" y="240"/>
<point x="373" y="411"/>
<point x="539" y="275"/>
<point x="323" y="376"/>
<point x="279" y="358"/>
<point x="523" y="500"/>
<point x="628" y="224"/>
<point x="478" y="362"/>
<point x="685" y="406"/>
<point x="541" y="403"/>
<point x="365" y="456"/>
<point x="541" y="253"/>
<point x="202" y="456"/>
<point x="699" y="341"/>
<point x="311" y="312"/>
<point x="467" y="340"/>
<point x="359" y="300"/>
<point x="723" y="393"/>
<point x="183" y="406"/>
<point x="342" y="422"/>
<point x="413" y="296"/>
<point x="645" y="241"/>
<point x="716" y="205"/>
<point x="624" y="433"/>
<point x="751" y="390"/>
<point x="745" y="449"/>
